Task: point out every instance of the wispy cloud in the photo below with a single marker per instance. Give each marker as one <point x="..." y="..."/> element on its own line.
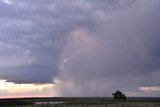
<point x="151" y="88"/>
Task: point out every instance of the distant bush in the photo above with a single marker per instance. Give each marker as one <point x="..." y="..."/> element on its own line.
<point x="119" y="95"/>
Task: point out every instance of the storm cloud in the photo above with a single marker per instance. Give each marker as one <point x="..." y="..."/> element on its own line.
<point x="33" y="35"/>
<point x="121" y="51"/>
<point x="93" y="46"/>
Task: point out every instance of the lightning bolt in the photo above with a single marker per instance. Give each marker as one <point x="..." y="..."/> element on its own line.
<point x="74" y="55"/>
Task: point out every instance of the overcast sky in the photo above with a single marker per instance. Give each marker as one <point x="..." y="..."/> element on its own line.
<point x="83" y="47"/>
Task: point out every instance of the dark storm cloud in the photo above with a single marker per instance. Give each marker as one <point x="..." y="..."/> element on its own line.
<point x="94" y="46"/>
<point x="33" y="35"/>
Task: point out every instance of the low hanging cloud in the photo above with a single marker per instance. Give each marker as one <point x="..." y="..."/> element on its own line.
<point x="92" y="46"/>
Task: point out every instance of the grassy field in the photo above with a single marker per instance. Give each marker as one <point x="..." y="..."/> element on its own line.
<point x="79" y="102"/>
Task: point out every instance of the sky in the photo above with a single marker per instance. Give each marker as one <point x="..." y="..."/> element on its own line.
<point x="79" y="48"/>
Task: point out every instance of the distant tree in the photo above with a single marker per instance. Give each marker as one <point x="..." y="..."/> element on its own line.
<point x="119" y="95"/>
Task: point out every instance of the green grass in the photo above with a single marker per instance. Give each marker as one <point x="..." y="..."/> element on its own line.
<point x="118" y="104"/>
<point x="90" y="102"/>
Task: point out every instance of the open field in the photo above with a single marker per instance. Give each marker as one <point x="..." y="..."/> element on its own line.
<point x="79" y="102"/>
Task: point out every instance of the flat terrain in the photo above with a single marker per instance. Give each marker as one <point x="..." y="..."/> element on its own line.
<point x="80" y="102"/>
